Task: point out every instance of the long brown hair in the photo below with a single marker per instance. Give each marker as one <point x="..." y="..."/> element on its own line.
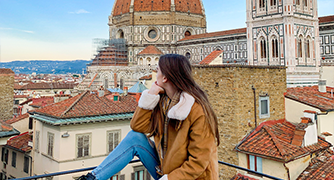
<point x="177" y="69"/>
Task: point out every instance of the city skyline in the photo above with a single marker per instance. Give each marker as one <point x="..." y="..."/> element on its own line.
<point x="64" y="30"/>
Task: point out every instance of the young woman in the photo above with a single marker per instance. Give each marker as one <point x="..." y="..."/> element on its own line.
<point x="177" y="113"/>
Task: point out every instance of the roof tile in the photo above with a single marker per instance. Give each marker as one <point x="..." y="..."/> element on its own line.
<point x="21" y="141"/>
<point x="312" y="97"/>
<point x="272" y="139"/>
<point x="215" y="34"/>
<point x="151" y="50"/>
<point x="212" y="56"/>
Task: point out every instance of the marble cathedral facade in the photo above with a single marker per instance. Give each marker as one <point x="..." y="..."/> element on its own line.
<point x="278" y="33"/>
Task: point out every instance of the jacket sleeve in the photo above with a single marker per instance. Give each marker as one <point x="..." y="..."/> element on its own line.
<point x="201" y="148"/>
<point x="141" y="118"/>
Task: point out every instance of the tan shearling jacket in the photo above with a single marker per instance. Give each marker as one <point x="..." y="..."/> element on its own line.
<point x="191" y="148"/>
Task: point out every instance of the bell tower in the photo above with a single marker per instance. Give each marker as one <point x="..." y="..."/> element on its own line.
<point x="285" y="33"/>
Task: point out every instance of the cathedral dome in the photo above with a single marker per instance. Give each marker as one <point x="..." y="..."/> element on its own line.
<point x="183" y="6"/>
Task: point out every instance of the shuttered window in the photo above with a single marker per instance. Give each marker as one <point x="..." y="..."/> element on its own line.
<point x="50" y="143"/>
<point x="83" y="145"/>
<point x="113" y="139"/>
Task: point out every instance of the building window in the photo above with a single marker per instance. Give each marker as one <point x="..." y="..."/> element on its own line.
<point x="188" y="55"/>
<point x="4" y="155"/>
<point x="274" y="46"/>
<point x="254" y="163"/>
<point x="83" y="145"/>
<point x="50" y="143"/>
<point x="298" y="2"/>
<point x="307" y="48"/>
<point x="261" y="3"/>
<point x="264" y="107"/>
<point x="113" y="139"/>
<point x="140" y="173"/>
<point x="263" y="48"/>
<point x="299" y="48"/>
<point x="273" y="2"/>
<point x="14" y="159"/>
<point x="305" y="2"/>
<point x="30" y="122"/>
<point x="26" y="164"/>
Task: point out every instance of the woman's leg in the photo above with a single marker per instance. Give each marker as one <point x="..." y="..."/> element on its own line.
<point x="134" y="144"/>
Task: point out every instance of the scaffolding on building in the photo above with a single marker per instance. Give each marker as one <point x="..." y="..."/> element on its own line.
<point x="110" y="52"/>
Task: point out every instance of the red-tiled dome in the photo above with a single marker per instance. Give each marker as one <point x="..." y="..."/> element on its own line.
<point x="186" y="6"/>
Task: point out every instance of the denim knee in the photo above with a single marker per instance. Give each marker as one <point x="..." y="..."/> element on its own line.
<point x="137" y="135"/>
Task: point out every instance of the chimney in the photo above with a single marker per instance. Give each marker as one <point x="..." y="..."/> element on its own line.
<point x="125" y="91"/>
<point x="306" y="132"/>
<point x="322" y="85"/>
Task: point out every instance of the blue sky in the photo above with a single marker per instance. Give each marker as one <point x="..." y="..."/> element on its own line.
<point x="65" y="29"/>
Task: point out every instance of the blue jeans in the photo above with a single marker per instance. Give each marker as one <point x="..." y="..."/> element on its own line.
<point x="134" y="144"/>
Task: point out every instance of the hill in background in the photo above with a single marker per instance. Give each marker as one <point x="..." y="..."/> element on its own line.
<point x="46" y="66"/>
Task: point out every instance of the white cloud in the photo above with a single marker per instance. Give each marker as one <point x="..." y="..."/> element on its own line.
<point x="31" y="32"/>
<point x="80" y="11"/>
<point x="26" y="31"/>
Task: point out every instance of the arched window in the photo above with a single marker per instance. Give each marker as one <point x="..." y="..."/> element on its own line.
<point x="299" y="47"/>
<point x="297" y="2"/>
<point x="274" y="48"/>
<point x="263" y="48"/>
<point x="187" y="33"/>
<point x="307" y="48"/>
<point x="141" y="61"/>
<point x="188" y="55"/>
<point x="305" y="2"/>
<point x="273" y="2"/>
<point x="261" y="3"/>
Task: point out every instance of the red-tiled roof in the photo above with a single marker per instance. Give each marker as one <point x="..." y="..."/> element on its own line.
<point x="312" y="97"/>
<point x="150" y="50"/>
<point x="18" y="118"/>
<point x="43" y="85"/>
<point x="121" y="7"/>
<point x="215" y="34"/>
<point x="320" y="168"/>
<point x="89" y="104"/>
<point x="6" y="71"/>
<point x="243" y="177"/>
<point x="21" y="142"/>
<point x="326" y="19"/>
<point x="212" y="56"/>
<point x="17" y="86"/>
<point x="148" y="77"/>
<point x="148" y="5"/>
<point x="42" y="101"/>
<point x="20" y="96"/>
<point x="5" y="126"/>
<point x="110" y="56"/>
<point x="272" y="140"/>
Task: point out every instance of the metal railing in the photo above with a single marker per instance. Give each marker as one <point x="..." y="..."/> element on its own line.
<point x="134" y="161"/>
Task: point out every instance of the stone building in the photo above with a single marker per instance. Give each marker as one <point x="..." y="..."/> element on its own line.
<point x="233" y="91"/>
<point x="6" y="94"/>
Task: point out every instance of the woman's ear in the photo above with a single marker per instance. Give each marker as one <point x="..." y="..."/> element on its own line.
<point x="164" y="79"/>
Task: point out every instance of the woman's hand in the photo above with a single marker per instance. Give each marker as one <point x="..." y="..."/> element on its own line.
<point x="156" y="89"/>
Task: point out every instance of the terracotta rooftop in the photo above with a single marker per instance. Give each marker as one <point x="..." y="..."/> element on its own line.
<point x="6" y="71"/>
<point x="273" y="140"/>
<point x="320" y="168"/>
<point x="43" y="85"/>
<point x="312" y="97"/>
<point x="185" y="6"/>
<point x="212" y="56"/>
<point x="89" y="104"/>
<point x="42" y="101"/>
<point x="326" y="19"/>
<point x="18" y="118"/>
<point x="20" y="142"/>
<point x="20" y="96"/>
<point x="215" y="34"/>
<point x="149" y="5"/>
<point x="148" y="77"/>
<point x="243" y="177"/>
<point x="150" y="50"/>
